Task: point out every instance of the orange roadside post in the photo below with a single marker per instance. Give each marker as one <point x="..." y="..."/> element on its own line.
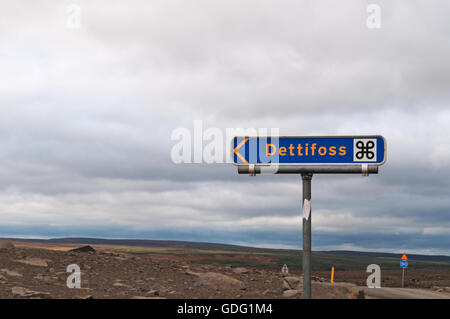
<point x="332" y="275"/>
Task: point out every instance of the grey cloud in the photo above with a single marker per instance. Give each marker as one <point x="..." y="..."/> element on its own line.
<point x="86" y="117"/>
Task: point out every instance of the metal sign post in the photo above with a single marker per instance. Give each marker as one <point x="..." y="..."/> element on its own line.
<point x="307" y="239"/>
<point x="403" y="277"/>
<point x="403" y="266"/>
<point x="308" y="156"/>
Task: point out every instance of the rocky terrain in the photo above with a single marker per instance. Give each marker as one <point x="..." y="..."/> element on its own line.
<point x="41" y="273"/>
<point x="29" y="272"/>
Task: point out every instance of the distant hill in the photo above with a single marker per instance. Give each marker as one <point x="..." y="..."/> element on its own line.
<point x="266" y="257"/>
<point x="120" y="242"/>
<point x="391" y="255"/>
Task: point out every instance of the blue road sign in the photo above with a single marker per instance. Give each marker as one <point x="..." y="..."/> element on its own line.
<point x="313" y="150"/>
<point x="403" y="264"/>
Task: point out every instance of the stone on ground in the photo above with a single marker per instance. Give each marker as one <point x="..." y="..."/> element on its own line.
<point x="27" y="293"/>
<point x="3" y="279"/>
<point x="83" y="249"/>
<point x="152" y="293"/>
<point x="241" y="270"/>
<point x="6" y="244"/>
<point x="337" y="290"/>
<point x="33" y="261"/>
<point x="219" y="281"/>
<point x="291" y="282"/>
<point x="11" y="273"/>
<point x="292" y="293"/>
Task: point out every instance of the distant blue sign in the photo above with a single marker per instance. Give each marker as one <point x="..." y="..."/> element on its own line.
<point x="403" y="264"/>
<point x="316" y="150"/>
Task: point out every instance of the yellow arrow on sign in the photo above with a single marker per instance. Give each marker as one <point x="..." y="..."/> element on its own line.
<point x="238" y="147"/>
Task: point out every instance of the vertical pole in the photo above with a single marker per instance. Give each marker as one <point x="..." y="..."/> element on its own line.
<point x="332" y="275"/>
<point x="307" y="239"/>
<point x="403" y="277"/>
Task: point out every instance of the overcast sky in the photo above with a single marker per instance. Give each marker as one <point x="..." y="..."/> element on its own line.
<point x="86" y="117"/>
